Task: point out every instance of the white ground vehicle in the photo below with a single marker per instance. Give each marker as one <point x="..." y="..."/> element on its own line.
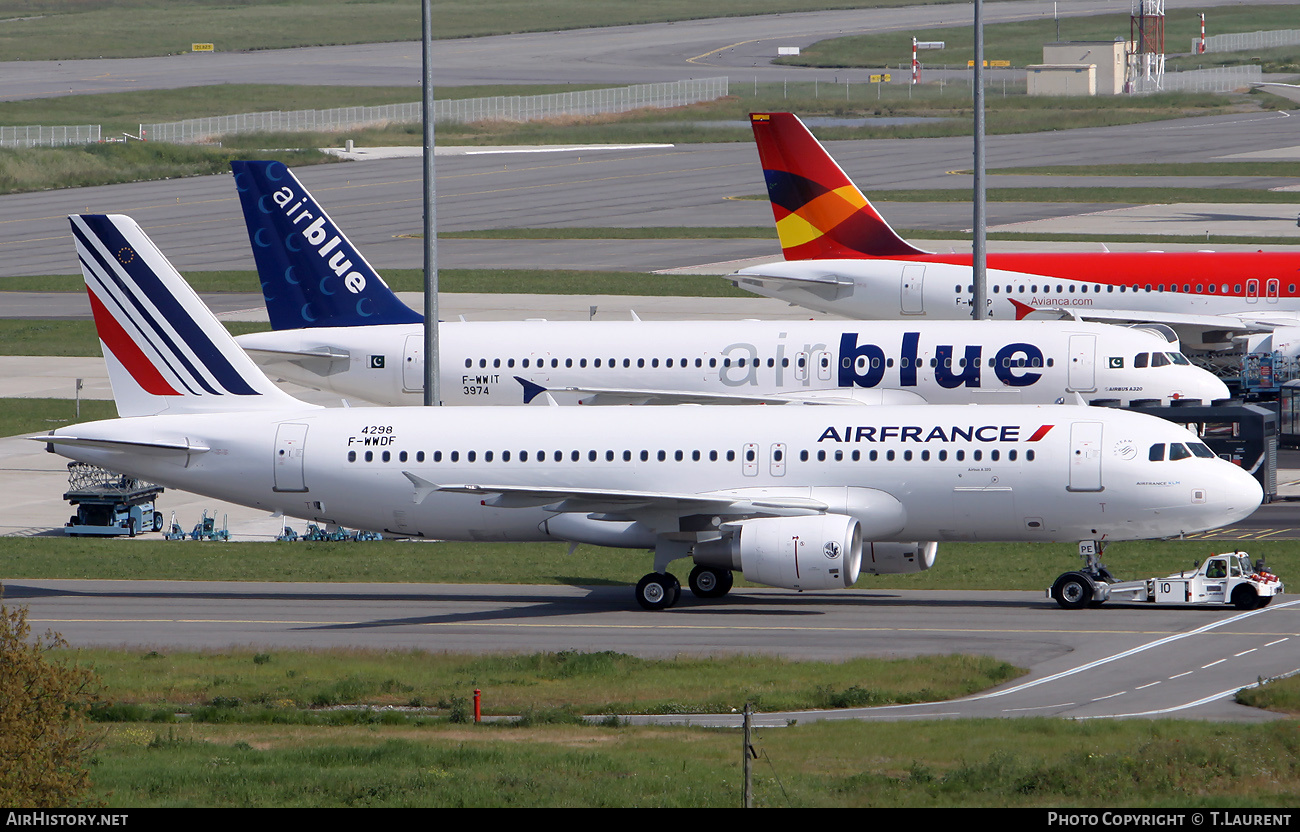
<point x="1229" y="578"/>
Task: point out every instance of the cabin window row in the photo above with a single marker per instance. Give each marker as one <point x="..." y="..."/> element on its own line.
<point x="1063" y="288"/>
<point x="778" y="455"/>
<point x="611" y="363"/>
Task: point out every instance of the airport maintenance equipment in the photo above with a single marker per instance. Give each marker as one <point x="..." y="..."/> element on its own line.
<point x="1228" y="578"/>
<point x="109" y="503"/>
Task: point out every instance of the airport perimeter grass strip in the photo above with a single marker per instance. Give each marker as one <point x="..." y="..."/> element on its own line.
<point x="452" y="281"/>
<point x="545" y="760"/>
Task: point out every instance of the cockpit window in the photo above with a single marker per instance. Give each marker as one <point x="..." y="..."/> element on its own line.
<point x="1159" y="359"/>
<point x="1201" y="449"/>
<point x="1157" y="453"/>
<point x="1178" y="358"/>
<point x="1178" y="451"/>
<point x="1140" y="360"/>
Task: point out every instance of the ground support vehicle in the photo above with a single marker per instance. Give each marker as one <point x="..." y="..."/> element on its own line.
<point x="109" y="503"/>
<point x="1228" y="578"/>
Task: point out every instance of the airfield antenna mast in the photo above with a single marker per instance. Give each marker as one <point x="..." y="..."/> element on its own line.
<point x="1146" y="57"/>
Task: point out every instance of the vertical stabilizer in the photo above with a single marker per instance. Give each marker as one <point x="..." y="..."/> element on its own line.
<point x="311" y="273"/>
<point x="820" y="214"/>
<point x="166" y="352"/>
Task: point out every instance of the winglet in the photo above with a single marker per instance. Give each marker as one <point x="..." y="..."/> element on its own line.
<point x="819" y="212"/>
<point x="165" y="350"/>
<point x="311" y="273"/>
<point x="1023" y="310"/>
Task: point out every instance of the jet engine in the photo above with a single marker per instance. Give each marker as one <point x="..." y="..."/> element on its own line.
<point x="819" y="552"/>
<point x="898" y="558"/>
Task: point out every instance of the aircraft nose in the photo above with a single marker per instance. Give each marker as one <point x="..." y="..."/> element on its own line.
<point x="1241" y="492"/>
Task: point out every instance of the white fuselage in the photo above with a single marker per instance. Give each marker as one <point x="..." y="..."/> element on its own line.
<point x="959" y="473"/>
<point x="950" y="363"/>
<point x="923" y="289"/>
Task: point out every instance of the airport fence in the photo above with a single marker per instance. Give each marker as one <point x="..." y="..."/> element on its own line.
<point x="38" y="136"/>
<point x="1219" y="79"/>
<point x="495" y="108"/>
<point x="1242" y="41"/>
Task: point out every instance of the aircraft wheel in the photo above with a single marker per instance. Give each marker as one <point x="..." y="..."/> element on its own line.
<point x="1072" y="591"/>
<point x="707" y="582"/>
<point x="658" y="591"/>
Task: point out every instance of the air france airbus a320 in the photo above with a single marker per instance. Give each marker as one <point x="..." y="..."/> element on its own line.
<point x="796" y="497"/>
<point x="841" y="256"/>
<point x="340" y="328"/>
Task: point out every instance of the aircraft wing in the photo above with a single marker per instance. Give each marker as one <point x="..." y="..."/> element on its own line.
<point x="592" y="500"/>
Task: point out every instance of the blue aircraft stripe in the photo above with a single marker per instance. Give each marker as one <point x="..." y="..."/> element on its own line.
<point x="175" y="314"/>
<point x="104" y="276"/>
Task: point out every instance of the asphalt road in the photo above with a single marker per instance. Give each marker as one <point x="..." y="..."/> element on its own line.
<point x="1116" y="660"/>
<point x="739" y="47"/>
<point x="197" y="222"/>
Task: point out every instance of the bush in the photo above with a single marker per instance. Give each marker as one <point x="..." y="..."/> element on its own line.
<point x="44" y="743"/>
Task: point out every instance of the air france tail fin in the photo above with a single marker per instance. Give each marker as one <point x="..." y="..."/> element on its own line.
<point x="166" y="352"/>
<point x="311" y="273"/>
<point x="820" y="214"/>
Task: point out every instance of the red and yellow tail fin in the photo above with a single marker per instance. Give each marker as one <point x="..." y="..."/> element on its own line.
<point x="820" y="213"/>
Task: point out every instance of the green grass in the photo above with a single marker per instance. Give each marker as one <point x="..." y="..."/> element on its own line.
<point x="1021" y="43"/>
<point x="32" y="336"/>
<point x="1018" y="763"/>
<point x="19" y="416"/>
<point x="63" y="29"/>
<point x="249" y="682"/>
<point x="972" y="566"/>
<point x="490" y="281"/>
<point x="1273" y="170"/>
<point x="49" y="168"/>
<point x="1122" y="196"/>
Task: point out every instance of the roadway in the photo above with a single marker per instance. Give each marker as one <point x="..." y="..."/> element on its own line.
<point x="1114" y="661"/>
<point x="739" y="47"/>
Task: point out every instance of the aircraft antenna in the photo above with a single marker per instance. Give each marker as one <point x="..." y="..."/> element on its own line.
<point x="1145" y="71"/>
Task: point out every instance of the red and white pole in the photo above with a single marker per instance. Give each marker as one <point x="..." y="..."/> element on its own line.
<point x="1201" y="49"/>
<point x="916" y="65"/>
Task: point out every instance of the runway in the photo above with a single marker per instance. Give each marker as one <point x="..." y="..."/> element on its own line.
<point x="1113" y="661"/>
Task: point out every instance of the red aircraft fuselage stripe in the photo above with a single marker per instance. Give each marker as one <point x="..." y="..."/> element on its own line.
<point x="127" y="352"/>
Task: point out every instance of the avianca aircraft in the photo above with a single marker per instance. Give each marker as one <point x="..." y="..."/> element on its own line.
<point x="340" y="328"/>
<point x="842" y="257"/>
<point x="795" y="497"/>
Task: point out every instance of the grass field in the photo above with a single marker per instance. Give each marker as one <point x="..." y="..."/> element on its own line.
<point x="63" y="29"/>
<point x="1021" y="43"/>
<point x="1029" y="763"/>
<point x="491" y="281"/>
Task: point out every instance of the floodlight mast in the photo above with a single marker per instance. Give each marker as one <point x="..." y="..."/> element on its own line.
<point x="979" y="296"/>
<point x="432" y="391"/>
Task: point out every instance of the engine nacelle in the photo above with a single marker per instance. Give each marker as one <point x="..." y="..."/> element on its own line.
<point x="819" y="552"/>
<point x="898" y="558"/>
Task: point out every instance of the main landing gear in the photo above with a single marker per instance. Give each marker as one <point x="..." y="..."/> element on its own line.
<point x="660" y="589"/>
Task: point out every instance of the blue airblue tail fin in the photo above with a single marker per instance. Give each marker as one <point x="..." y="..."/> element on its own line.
<point x="311" y="273"/>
